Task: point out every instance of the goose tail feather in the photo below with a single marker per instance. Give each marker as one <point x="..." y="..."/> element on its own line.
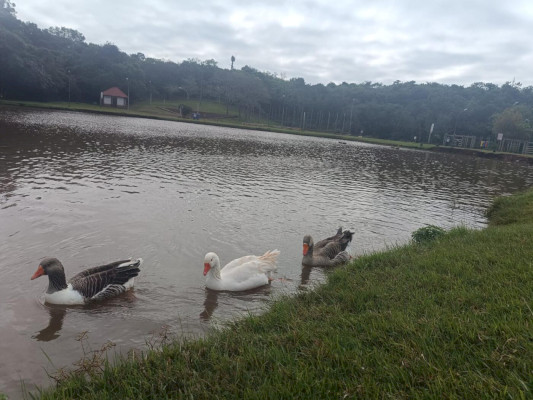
<point x="270" y="258"/>
<point x="346" y="239"/>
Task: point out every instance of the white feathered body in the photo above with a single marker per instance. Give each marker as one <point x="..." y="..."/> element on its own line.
<point x="241" y="274"/>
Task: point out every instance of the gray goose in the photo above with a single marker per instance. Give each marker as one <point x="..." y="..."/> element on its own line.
<point x="328" y="252"/>
<point x="95" y="283"/>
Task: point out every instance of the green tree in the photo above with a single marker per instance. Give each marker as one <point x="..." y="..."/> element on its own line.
<point x="512" y="123"/>
<point x="66" y="33"/>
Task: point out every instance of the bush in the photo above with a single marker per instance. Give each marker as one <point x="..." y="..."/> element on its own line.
<point x="185" y="109"/>
<point x="427" y="234"/>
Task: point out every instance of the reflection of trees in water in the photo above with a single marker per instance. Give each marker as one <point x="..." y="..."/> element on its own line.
<point x="98" y="146"/>
<point x="7" y="185"/>
<point x="51" y="332"/>
<point x="210" y="304"/>
<point x="84" y="132"/>
<point x="78" y="148"/>
<point x="10" y="150"/>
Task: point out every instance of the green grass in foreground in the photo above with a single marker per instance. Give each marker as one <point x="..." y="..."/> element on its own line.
<point x="452" y="319"/>
<point x="516" y="209"/>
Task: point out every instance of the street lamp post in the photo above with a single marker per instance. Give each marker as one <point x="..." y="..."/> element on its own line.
<point x="186" y="93"/>
<point x="150" y="82"/>
<point x="456" y="118"/>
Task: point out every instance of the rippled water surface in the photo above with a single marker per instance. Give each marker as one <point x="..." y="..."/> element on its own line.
<point x="89" y="189"/>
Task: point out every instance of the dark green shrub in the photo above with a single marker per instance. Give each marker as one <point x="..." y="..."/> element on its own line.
<point x="427" y="234"/>
<point x="185" y="110"/>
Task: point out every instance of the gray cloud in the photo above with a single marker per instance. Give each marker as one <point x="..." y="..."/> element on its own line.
<point x="322" y="41"/>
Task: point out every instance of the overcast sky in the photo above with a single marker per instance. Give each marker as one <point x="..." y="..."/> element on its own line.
<point x="449" y="41"/>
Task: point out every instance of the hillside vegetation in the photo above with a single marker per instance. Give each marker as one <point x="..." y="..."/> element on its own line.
<point x="57" y="64"/>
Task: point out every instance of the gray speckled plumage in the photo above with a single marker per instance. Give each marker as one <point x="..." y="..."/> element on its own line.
<point x="328" y="252"/>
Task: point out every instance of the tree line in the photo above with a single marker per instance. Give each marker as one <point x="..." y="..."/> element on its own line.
<point x="56" y="64"/>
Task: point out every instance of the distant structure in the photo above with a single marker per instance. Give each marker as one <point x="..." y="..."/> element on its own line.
<point x="232" y="61"/>
<point x="114" y="97"/>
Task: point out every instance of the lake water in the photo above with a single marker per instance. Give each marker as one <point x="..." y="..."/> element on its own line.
<point x="90" y="189"/>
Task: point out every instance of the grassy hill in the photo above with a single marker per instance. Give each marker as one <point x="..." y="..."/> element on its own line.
<point x="451" y="318"/>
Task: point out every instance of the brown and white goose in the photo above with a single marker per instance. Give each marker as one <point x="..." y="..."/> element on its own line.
<point x="95" y="283"/>
<point x="328" y="252"/>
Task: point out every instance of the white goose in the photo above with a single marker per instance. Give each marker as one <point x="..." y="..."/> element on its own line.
<point x="241" y="274"/>
<point x="95" y="283"/>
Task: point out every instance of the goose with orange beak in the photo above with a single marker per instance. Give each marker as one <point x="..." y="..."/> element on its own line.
<point x="95" y="283"/>
<point x="244" y="273"/>
<point x="328" y="252"/>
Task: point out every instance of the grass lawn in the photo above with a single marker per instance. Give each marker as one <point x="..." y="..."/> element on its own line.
<point x="450" y="319"/>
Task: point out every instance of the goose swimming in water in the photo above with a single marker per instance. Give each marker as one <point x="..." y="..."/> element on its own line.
<point x="245" y="273"/>
<point x="95" y="283"/>
<point x="328" y="252"/>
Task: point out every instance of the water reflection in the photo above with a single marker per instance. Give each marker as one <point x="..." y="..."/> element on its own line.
<point x="306" y="274"/>
<point x="210" y="304"/>
<point x="58" y="312"/>
<point x="226" y="302"/>
<point x="51" y="331"/>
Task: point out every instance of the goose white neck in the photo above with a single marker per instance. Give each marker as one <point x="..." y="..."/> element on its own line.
<point x="214" y="265"/>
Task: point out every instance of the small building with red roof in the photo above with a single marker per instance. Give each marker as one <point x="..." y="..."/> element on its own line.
<point x="113" y="97"/>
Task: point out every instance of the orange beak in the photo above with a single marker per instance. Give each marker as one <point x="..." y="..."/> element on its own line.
<point x="306" y="248"/>
<point x="207" y="267"/>
<point x="38" y="273"/>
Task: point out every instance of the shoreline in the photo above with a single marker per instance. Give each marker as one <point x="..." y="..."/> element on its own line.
<point x="450" y="317"/>
<point x="269" y="128"/>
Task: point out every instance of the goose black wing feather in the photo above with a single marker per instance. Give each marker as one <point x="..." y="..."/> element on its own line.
<point x="93" y="281"/>
<point x="96" y="270"/>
